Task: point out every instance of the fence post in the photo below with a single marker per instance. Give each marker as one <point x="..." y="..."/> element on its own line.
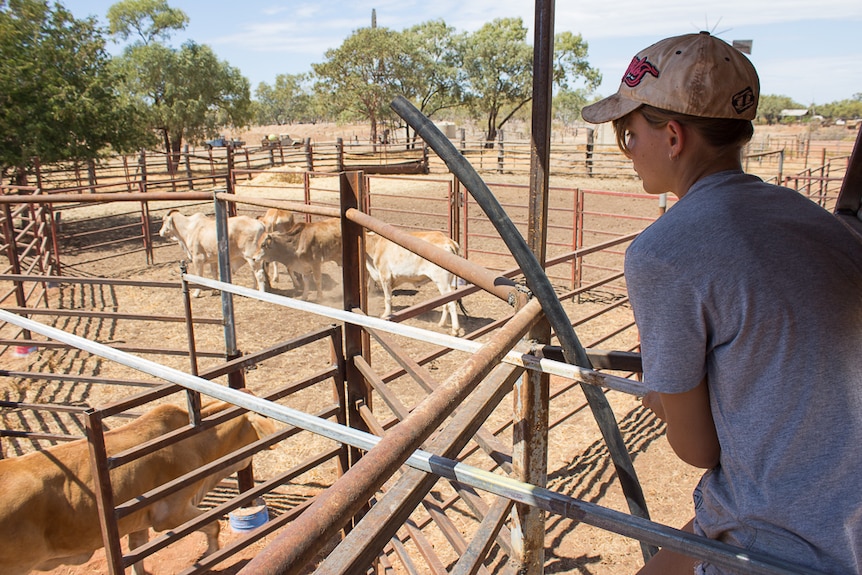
<point x="309" y="156"/>
<point x="188" y="163"/>
<point x="780" y="165"/>
<point x="463" y="139"/>
<point x="91" y="174"/>
<point x="339" y="154"/>
<point x="231" y="209"/>
<point x="15" y="264"/>
<point x="591" y="134"/>
<point x="500" y="152"/>
<point x="142" y="167"/>
<point x="236" y="378"/>
<point x="356" y="340"/>
<point x="103" y="491"/>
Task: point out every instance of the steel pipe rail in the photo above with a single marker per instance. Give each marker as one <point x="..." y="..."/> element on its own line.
<point x="557" y="503"/>
<point x="281" y="204"/>
<point x="66" y="198"/>
<point x="567" y="370"/>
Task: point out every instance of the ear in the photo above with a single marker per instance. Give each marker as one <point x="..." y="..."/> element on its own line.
<point x="676" y="138"/>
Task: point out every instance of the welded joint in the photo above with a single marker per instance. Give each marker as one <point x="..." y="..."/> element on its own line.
<point x="519" y="296"/>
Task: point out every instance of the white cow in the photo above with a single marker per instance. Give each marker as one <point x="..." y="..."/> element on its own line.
<point x="199" y="240"/>
<point x="390" y="265"/>
<point x="48" y="512"/>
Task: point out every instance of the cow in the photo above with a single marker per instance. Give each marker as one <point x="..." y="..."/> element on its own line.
<point x="199" y="240"/>
<point x="390" y="265"/>
<point x="320" y="242"/>
<point x="275" y="220"/>
<point x="280" y="247"/>
<point x="48" y="512"/>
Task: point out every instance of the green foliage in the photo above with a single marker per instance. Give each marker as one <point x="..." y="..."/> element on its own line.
<point x="58" y="97"/>
<point x="430" y="73"/>
<point x="568" y="105"/>
<point x="188" y="93"/>
<point x="360" y="77"/>
<point x="498" y="64"/>
<point x="290" y="100"/>
<point x="149" y="20"/>
<point x="488" y="72"/>
<point x="850" y="109"/>
<point x="770" y="106"/>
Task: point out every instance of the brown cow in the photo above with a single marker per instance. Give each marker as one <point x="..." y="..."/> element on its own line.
<point x="48" y="513"/>
<point x="320" y="242"/>
<point x="275" y="220"/>
<point x="280" y="247"/>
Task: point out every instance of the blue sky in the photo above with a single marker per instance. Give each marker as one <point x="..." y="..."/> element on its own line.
<point x="810" y="51"/>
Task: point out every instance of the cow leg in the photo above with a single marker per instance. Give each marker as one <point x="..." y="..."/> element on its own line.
<point x="259" y="275"/>
<point x="211" y="530"/>
<point x="137" y="539"/>
<point x="299" y="281"/>
<point x="273" y="271"/>
<point x="318" y="277"/>
<point x="456" y="324"/>
<point x="386" y="286"/>
<point x="197" y="267"/>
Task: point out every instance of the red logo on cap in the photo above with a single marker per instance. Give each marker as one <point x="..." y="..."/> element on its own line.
<point x="637" y="70"/>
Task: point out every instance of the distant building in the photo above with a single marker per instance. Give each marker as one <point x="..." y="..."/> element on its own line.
<point x="793" y="112"/>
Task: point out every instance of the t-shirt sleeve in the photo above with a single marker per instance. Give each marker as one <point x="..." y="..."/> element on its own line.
<point x="670" y="316"/>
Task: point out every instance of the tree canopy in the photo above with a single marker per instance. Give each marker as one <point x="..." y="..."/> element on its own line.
<point x="188" y="92"/>
<point x="360" y="77"/>
<point x="58" y="96"/>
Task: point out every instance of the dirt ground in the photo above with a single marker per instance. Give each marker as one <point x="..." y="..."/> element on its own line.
<point x="578" y="461"/>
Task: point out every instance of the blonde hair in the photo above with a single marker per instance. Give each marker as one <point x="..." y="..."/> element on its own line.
<point x="721" y="133"/>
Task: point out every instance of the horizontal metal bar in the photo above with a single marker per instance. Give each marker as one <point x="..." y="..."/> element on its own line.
<point x="561" y="369"/>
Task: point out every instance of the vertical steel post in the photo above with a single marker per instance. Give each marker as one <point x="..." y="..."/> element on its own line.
<point x="532" y="392"/>
<point x="103" y="491"/>
<point x="236" y="379"/>
<point x="355" y="296"/>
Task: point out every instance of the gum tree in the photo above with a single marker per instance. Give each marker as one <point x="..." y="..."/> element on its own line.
<point x="58" y="96"/>
<point x="188" y="92"/>
<point x="498" y="64"/>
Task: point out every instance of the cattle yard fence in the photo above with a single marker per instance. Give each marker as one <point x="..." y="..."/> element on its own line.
<point x="385" y="432"/>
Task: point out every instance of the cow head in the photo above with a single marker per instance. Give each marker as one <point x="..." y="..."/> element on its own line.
<point x="263" y="246"/>
<point x="168" y="229"/>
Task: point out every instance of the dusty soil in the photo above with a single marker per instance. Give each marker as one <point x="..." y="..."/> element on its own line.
<point x="578" y="461"/>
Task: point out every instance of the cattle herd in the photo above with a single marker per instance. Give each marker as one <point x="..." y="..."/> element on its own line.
<point x="302" y="248"/>
<point x="48" y="512"/>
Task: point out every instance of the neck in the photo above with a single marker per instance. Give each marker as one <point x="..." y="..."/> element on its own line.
<point x="696" y="166"/>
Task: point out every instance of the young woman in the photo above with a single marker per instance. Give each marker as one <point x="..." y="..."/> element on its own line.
<point x="747" y="299"/>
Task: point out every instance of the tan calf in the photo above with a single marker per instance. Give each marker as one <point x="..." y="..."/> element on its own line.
<point x="48" y="513"/>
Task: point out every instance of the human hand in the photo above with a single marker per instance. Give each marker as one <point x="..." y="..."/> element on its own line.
<point x="652" y="401"/>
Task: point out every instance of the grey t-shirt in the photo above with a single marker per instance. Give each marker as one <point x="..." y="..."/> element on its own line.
<point x="758" y="289"/>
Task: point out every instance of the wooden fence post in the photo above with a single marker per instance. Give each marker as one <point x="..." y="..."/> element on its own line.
<point x="591" y="133"/>
<point x="500" y="152"/>
<point x="309" y="157"/>
<point x="339" y="154"/>
<point x="188" y="167"/>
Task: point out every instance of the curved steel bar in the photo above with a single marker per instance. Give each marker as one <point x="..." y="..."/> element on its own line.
<point x="541" y="287"/>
